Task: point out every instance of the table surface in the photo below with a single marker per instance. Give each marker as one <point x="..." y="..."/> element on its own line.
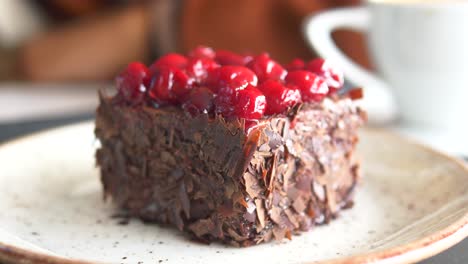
<point x="455" y="255"/>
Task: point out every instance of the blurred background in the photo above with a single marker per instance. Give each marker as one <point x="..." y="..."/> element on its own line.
<point x="54" y="54"/>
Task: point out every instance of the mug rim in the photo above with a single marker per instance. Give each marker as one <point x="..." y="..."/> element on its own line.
<point x="421" y="3"/>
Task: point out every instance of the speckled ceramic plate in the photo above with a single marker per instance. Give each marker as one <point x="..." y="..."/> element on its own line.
<point x="412" y="203"/>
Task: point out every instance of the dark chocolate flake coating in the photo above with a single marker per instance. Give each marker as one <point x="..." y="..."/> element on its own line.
<point x="205" y="176"/>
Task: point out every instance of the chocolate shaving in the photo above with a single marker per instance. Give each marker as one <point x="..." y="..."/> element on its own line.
<point x="252" y="185"/>
<point x="261" y="216"/>
<point x="272" y="175"/>
<point x="202" y="227"/>
<point x="276" y="216"/>
<point x="292" y="218"/>
<point x="236" y="236"/>
<point x="279" y="233"/>
<point x="299" y="205"/>
<point x="356" y="94"/>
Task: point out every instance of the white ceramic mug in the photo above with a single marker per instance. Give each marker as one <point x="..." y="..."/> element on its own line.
<point x="420" y="50"/>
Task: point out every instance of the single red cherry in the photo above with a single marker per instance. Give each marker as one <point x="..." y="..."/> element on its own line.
<point x="294" y="65"/>
<point x="312" y="87"/>
<point x="171" y="60"/>
<point x="279" y="97"/>
<point x="169" y="85"/>
<point x="266" y="68"/>
<point x="200" y="100"/>
<point x="202" y="52"/>
<point x="199" y="68"/>
<point x="323" y="68"/>
<point x="133" y="82"/>
<point x="250" y="103"/>
<point x="225" y="57"/>
<point x="230" y="79"/>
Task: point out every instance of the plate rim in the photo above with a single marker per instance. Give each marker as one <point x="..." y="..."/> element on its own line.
<point x="417" y="250"/>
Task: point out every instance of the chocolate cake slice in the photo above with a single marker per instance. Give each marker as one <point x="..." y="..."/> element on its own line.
<point x="227" y="177"/>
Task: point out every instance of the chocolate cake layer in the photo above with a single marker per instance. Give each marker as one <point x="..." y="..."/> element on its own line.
<point x="207" y="177"/>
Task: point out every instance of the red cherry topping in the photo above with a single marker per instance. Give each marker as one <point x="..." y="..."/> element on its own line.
<point x="225" y="57"/>
<point x="200" y="100"/>
<point x="312" y="87"/>
<point x="279" y="98"/>
<point x="171" y="60"/>
<point x="169" y="85"/>
<point x="202" y="52"/>
<point x="223" y="82"/>
<point x="266" y="68"/>
<point x="294" y="65"/>
<point x="230" y="79"/>
<point x="323" y="68"/>
<point x="133" y="82"/>
<point x="250" y="103"/>
<point x="199" y="67"/>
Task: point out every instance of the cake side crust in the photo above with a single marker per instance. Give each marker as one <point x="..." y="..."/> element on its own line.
<point x="205" y="176"/>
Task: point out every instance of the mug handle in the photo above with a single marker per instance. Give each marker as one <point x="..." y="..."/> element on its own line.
<point x="378" y="100"/>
